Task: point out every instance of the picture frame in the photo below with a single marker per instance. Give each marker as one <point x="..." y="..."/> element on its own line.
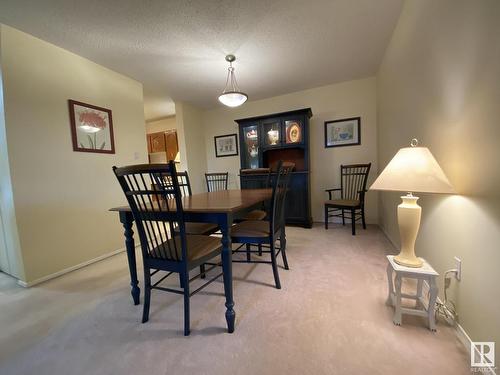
<point x="226" y="145"/>
<point x="343" y="132"/>
<point x="91" y="128"/>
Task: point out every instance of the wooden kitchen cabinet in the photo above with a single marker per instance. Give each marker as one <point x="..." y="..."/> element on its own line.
<point x="163" y="142"/>
<point x="156" y="142"/>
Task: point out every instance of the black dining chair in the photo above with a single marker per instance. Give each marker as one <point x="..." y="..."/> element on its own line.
<point x="267" y="232"/>
<point x="185" y="188"/>
<point x="216" y="181"/>
<point x="157" y="215"/>
<point x="352" y="191"/>
<point x="260" y="213"/>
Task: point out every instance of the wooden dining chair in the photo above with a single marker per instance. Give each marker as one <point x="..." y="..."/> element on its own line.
<point x="156" y="216"/>
<point x="267" y="232"/>
<point x="216" y="181"/>
<point x="185" y="188"/>
<point x="352" y="191"/>
<point x="261" y="214"/>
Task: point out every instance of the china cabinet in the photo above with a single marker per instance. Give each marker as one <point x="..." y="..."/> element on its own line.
<point x="264" y="141"/>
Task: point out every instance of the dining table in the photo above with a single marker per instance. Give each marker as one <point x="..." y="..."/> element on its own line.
<point x="222" y="207"/>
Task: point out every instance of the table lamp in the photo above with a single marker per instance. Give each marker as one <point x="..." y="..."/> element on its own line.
<point x="412" y="169"/>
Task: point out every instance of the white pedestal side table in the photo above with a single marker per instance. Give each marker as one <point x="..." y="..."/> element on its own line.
<point x="426" y="272"/>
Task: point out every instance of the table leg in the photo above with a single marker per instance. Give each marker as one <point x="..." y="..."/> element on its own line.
<point x="389" y="301"/>
<point x="433" y="291"/>
<point x="397" y="309"/>
<point x="227" y="264"/>
<point x="127" y="219"/>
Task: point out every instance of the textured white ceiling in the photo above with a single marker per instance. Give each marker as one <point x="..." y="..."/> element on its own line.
<point x="177" y="48"/>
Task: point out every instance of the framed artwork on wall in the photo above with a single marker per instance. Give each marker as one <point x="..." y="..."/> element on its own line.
<point x="344" y="132"/>
<point x="91" y="128"/>
<point x="226" y="145"/>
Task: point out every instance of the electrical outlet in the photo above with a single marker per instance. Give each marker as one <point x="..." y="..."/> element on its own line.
<point x="458" y="266"/>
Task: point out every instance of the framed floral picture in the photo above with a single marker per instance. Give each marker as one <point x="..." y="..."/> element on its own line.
<point x="91" y="128"/>
<point x="344" y="132"/>
<point x="226" y="145"/>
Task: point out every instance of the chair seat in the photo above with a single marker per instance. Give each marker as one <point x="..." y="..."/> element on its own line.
<point x="348" y="203"/>
<point x="256" y="215"/>
<point x="199" y="228"/>
<point x="251" y="228"/>
<point x="197" y="247"/>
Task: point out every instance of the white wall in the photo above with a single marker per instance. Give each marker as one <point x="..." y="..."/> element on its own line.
<point x="440" y="82"/>
<point x="342" y="100"/>
<point x="161" y="125"/>
<point x="61" y="197"/>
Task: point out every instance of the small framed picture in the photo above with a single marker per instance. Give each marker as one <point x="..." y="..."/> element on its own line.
<point x="91" y="128"/>
<point x="345" y="132"/>
<point x="226" y="145"/>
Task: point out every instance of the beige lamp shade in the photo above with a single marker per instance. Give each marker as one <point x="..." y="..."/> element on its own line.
<point x="413" y="169"/>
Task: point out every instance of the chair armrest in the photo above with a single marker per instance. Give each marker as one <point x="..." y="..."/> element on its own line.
<point x="330" y="191"/>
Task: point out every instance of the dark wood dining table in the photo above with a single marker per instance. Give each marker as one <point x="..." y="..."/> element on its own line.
<point x="221" y="207"/>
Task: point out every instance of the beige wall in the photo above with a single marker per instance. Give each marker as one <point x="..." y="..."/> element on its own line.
<point x="61" y="197"/>
<point x="190" y="135"/>
<point x="161" y="125"/>
<point x="440" y="82"/>
<point x="348" y="99"/>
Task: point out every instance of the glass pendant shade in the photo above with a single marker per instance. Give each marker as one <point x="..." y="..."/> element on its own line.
<point x="233" y="99"/>
<point x="232" y="96"/>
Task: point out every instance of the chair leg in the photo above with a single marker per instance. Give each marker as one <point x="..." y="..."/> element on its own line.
<point x="363" y="217"/>
<point x="147" y="295"/>
<point x="343" y="218"/>
<point x="202" y="271"/>
<point x="275" y="266"/>
<point x="283" y="253"/>
<point x="326" y="217"/>
<point x="185" y="276"/>
<point x="353" y="223"/>
<point x="181" y="281"/>
<point x="260" y="250"/>
<point x="248" y="252"/>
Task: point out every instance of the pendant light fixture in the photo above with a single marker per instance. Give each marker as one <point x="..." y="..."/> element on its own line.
<point x="232" y="96"/>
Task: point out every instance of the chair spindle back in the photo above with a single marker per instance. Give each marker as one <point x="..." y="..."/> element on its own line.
<point x="216" y="181"/>
<point x="280" y="188"/>
<point x="157" y="209"/>
<point x="353" y="180"/>
<point x="183" y="181"/>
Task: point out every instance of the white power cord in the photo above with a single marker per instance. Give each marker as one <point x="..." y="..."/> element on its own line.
<point x="447" y="308"/>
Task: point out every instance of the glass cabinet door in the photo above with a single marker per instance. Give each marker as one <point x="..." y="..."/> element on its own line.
<point x="251" y="146"/>
<point x="294" y="130"/>
<point x="272" y="133"/>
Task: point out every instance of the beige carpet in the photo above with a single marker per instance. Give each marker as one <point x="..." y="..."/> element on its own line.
<point x="329" y="318"/>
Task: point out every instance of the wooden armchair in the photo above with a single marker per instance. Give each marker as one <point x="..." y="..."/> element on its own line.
<point x="352" y="195"/>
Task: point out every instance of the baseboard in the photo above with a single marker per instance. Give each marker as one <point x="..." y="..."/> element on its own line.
<point x="67" y="270"/>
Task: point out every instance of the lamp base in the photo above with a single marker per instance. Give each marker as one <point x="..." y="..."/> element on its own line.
<point x="408" y="262"/>
<point x="409" y="213"/>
